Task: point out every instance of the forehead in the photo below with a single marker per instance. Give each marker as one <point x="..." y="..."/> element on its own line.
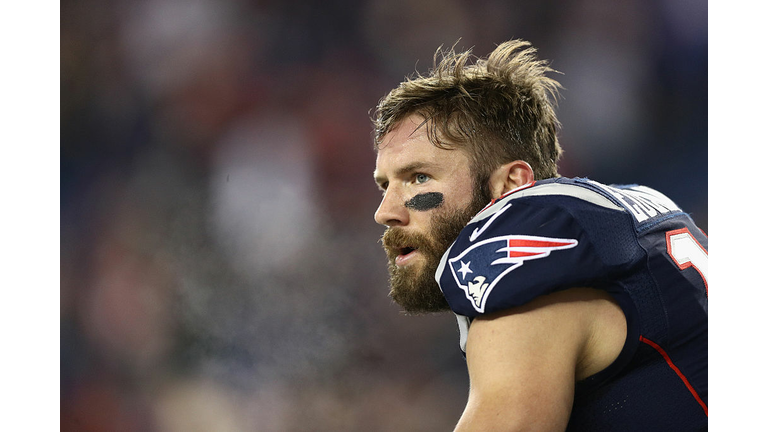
<point x="408" y="144"/>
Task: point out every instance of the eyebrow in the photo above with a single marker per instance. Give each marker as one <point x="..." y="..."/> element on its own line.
<point x="403" y="171"/>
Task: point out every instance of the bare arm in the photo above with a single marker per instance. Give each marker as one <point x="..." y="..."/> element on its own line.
<point x="524" y="363"/>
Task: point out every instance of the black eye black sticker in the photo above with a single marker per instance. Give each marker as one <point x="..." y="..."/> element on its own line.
<point x="425" y="201"/>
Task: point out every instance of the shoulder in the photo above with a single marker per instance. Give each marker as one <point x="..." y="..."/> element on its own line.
<point x="535" y="240"/>
<point x="554" y="192"/>
<point x="641" y="202"/>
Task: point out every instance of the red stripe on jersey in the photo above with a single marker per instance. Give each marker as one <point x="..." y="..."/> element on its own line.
<point x="677" y="371"/>
<point x="515" y="254"/>
<point x="536" y="243"/>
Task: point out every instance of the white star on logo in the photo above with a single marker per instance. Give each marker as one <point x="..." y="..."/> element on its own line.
<point x="465" y="269"/>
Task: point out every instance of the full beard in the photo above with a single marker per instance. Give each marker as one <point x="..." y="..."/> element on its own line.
<point x="413" y="286"/>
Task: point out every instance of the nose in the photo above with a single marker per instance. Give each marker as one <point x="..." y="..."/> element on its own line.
<point x="392" y="210"/>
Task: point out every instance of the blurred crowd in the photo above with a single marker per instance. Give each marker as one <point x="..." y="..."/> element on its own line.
<point x="220" y="266"/>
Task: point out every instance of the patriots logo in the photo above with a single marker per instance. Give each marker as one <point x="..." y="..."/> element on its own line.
<point x="494" y="258"/>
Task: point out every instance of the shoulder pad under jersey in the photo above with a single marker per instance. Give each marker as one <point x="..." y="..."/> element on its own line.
<point x="540" y="238"/>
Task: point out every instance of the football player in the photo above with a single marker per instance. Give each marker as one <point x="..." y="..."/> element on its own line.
<point x="581" y="306"/>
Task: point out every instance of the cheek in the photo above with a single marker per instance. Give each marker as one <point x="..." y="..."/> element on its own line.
<point x="462" y="195"/>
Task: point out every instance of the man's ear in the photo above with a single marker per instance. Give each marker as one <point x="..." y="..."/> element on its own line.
<point x="510" y="176"/>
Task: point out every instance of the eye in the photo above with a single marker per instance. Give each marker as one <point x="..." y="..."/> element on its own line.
<point x="420" y="178"/>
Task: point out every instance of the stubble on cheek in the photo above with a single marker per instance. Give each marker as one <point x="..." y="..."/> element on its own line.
<point x="413" y="286"/>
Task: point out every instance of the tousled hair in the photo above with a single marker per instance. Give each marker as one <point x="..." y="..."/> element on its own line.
<point x="498" y="109"/>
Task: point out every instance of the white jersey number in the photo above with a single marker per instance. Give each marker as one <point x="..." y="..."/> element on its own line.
<point x="686" y="252"/>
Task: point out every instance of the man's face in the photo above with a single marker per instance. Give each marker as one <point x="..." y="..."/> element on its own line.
<point x="429" y="196"/>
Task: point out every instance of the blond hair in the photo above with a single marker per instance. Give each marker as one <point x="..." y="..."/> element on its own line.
<point x="498" y="109"/>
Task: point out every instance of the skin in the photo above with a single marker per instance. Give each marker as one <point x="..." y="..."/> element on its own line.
<point x="523" y="363"/>
<point x="407" y="165"/>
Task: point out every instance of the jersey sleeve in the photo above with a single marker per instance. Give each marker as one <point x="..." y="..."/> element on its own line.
<point x="534" y="242"/>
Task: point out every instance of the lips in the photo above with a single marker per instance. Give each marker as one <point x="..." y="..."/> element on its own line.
<point x="400" y="254"/>
<point x="402" y="246"/>
<point x="405" y="254"/>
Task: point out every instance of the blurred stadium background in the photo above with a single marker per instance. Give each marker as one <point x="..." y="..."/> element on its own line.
<point x="220" y="269"/>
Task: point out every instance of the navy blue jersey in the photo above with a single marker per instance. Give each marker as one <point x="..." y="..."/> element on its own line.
<point x="630" y="241"/>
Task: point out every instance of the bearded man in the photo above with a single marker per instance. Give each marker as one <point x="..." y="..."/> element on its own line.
<point x="581" y="306"/>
